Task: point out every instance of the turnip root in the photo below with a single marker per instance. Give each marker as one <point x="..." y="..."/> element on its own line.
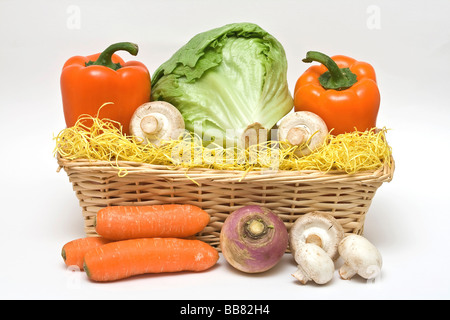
<point x="253" y="239"/>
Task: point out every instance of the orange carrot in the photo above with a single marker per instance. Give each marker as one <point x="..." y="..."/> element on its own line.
<point x="165" y="221"/>
<point x="73" y="252"/>
<point x="126" y="258"/>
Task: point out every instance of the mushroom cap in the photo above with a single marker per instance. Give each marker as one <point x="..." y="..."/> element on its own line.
<point x="319" y="228"/>
<point x="360" y="255"/>
<point x="305" y="129"/>
<point x="313" y="264"/>
<point x="156" y="121"/>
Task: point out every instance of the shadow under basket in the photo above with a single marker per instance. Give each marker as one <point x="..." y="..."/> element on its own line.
<point x="289" y="194"/>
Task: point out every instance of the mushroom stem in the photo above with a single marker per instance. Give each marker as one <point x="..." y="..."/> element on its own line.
<point x="314" y="239"/>
<point x="318" y="228"/>
<point x="300" y="275"/>
<point x="150" y="125"/>
<point x="297" y="136"/>
<point x="155" y="122"/>
<point x="346" y="272"/>
<point x="303" y="129"/>
<point x="313" y="263"/>
<point x="254" y="134"/>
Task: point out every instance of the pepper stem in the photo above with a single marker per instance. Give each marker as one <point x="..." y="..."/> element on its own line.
<point x="105" y="58"/>
<point x="335" y="78"/>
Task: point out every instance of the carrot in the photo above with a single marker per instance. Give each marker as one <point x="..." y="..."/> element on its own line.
<point x="73" y="252"/>
<point x="164" y="221"/>
<point x="126" y="258"/>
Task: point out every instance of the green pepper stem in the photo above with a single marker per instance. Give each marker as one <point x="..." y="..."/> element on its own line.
<point x="105" y="58"/>
<point x="335" y="78"/>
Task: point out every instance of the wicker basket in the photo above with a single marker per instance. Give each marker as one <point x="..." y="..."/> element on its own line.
<point x="290" y="194"/>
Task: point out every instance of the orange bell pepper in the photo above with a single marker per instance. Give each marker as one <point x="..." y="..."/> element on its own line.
<point x="89" y="82"/>
<point x="341" y="90"/>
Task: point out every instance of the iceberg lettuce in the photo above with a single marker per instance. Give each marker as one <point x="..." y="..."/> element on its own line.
<point x="225" y="80"/>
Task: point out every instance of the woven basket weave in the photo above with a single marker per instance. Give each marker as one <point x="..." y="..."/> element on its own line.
<point x="289" y="194"/>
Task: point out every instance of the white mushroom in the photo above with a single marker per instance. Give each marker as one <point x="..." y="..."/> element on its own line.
<point x="253" y="134"/>
<point x="319" y="228"/>
<point x="156" y="121"/>
<point x="303" y="129"/>
<point x="360" y="257"/>
<point x="313" y="264"/>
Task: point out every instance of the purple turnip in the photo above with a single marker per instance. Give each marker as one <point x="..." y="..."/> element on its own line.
<point x="253" y="239"/>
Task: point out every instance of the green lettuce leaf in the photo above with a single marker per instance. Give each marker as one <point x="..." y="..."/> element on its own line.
<point x="226" y="79"/>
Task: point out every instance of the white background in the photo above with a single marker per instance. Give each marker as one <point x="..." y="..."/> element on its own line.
<point x="407" y="42"/>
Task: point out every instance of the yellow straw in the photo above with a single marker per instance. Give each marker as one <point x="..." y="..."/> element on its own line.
<point x="104" y="140"/>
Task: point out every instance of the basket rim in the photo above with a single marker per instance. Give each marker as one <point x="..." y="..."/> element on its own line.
<point x="383" y="173"/>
